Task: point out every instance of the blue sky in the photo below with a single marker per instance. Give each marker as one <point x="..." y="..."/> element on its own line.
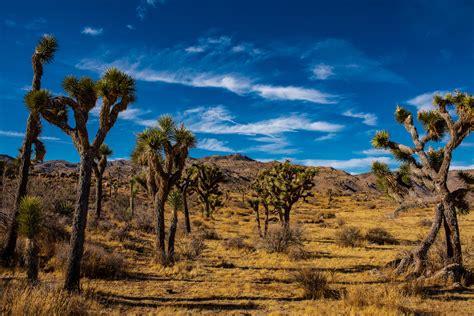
<point x="306" y="80"/>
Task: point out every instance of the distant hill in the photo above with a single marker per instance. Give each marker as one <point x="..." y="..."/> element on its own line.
<point x="240" y="171"/>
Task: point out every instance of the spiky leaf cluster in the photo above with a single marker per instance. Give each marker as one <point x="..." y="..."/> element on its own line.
<point x="46" y="48"/>
<point x="435" y="157"/>
<point x="393" y="184"/>
<point x="401" y="114"/>
<point x="29" y="217"/>
<point x="116" y="84"/>
<point x="175" y="200"/>
<point x="381" y="139"/>
<point x="36" y="100"/>
<point x="433" y="124"/>
<point x="84" y="90"/>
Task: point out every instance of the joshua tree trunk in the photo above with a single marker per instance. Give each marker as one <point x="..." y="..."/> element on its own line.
<point x="418" y="257"/>
<point x="187" y="222"/>
<point x="453" y="241"/>
<point x="267" y="213"/>
<point x="160" y="199"/>
<point x="257" y="219"/>
<point x="447" y="234"/>
<point x="76" y="244"/>
<point x="172" y="236"/>
<point x="207" y="209"/>
<point x="286" y="218"/>
<point x="98" y="196"/>
<point x="32" y="260"/>
<point x="132" y="200"/>
<point x="32" y="130"/>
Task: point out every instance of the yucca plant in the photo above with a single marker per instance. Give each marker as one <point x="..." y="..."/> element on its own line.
<point x="100" y="164"/>
<point x="116" y="91"/>
<point x="431" y="167"/>
<point x="43" y="54"/>
<point x="163" y="150"/>
<point x="206" y="185"/>
<point x="186" y="184"/>
<point x="29" y="223"/>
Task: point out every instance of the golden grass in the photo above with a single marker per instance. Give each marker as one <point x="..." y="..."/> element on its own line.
<point x="244" y="280"/>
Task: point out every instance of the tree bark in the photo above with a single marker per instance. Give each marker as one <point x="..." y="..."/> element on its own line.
<point x="98" y="196"/>
<point x="287" y="218"/>
<point x="172" y="236"/>
<point x="187" y="222"/>
<point x="257" y="219"/>
<point x="12" y="231"/>
<point x="31" y="260"/>
<point x="160" y="199"/>
<point x="453" y="228"/>
<point x="447" y="235"/>
<point x="266" y="220"/>
<point x="419" y="255"/>
<point x="76" y="244"/>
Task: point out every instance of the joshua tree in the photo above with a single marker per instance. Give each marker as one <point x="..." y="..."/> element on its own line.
<point x="260" y="197"/>
<point x="175" y="201"/>
<point x="100" y="163"/>
<point x="206" y="186"/>
<point x="329" y="193"/>
<point x="254" y="203"/>
<point x="431" y="167"/>
<point x="186" y="185"/>
<point x="134" y="180"/>
<point x="163" y="150"/>
<point x="29" y="221"/>
<point x="44" y="53"/>
<point x="396" y="185"/>
<point x="117" y="91"/>
<point x="284" y="184"/>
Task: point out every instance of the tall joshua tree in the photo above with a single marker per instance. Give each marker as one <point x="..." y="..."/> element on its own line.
<point x="284" y="185"/>
<point x="260" y="196"/>
<point x="431" y="167"/>
<point x="117" y="91"/>
<point x="206" y="185"/>
<point x="29" y="221"/>
<point x="44" y="53"/>
<point x="163" y="150"/>
<point x="100" y="163"/>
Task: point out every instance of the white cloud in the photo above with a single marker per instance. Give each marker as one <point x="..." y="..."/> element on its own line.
<point x="194" y="49"/>
<point x="367" y="118"/>
<point x="461" y="167"/>
<point x="130" y="27"/>
<point x="273" y="145"/>
<point x="92" y="31"/>
<point x="217" y="120"/>
<point x="20" y="134"/>
<point x="323" y="71"/>
<point x="142" y="8"/>
<point x="466" y="144"/>
<point x="374" y="152"/>
<point x="325" y="137"/>
<point x="424" y="102"/>
<point x="294" y="93"/>
<point x="213" y="144"/>
<point x="354" y="163"/>
<point x="9" y="23"/>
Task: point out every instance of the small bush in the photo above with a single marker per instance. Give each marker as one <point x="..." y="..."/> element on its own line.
<point x="314" y="284"/>
<point x="326" y="215"/>
<point x="236" y="243"/>
<point x="22" y="299"/>
<point x="64" y="207"/>
<point x="97" y="262"/>
<point x="380" y="236"/>
<point x="298" y="253"/>
<point x="191" y="247"/>
<point x="209" y="234"/>
<point x="281" y="239"/>
<point x="349" y="237"/>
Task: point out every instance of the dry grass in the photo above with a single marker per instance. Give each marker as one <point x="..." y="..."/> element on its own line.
<point x="215" y="277"/>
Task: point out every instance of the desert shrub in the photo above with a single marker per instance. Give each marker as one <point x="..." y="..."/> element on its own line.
<point x="63" y="207"/>
<point x="281" y="239"/>
<point x="21" y="299"/>
<point x="299" y="253"/>
<point x="236" y="243"/>
<point x="191" y="247"/>
<point x="380" y="236"/>
<point x="340" y="222"/>
<point x="314" y="284"/>
<point x="118" y="205"/>
<point x="425" y="222"/>
<point x="349" y="237"/>
<point x="326" y="215"/>
<point x="209" y="234"/>
<point x="97" y="262"/>
<point x="120" y="233"/>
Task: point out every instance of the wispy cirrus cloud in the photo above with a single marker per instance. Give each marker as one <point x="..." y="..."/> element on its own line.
<point x="369" y="119"/>
<point x="352" y="165"/>
<point x="325" y="137"/>
<point x="338" y="59"/>
<point x="145" y="5"/>
<point x="375" y="152"/>
<point x="21" y="134"/>
<point x="213" y="144"/>
<point x="218" y="120"/>
<point x="424" y="102"/>
<point x="92" y="31"/>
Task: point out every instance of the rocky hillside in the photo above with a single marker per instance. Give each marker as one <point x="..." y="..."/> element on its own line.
<point x="240" y="170"/>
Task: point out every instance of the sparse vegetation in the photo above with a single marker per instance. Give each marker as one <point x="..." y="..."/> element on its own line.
<point x="314" y="284"/>
<point x="349" y="237"/>
<point x="380" y="236"/>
